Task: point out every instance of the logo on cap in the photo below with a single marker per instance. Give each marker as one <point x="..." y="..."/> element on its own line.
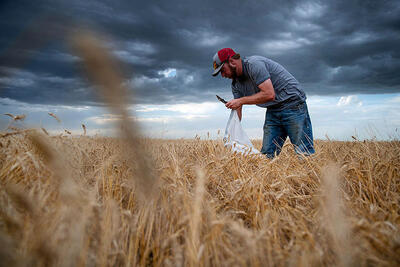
<point x="215" y="65"/>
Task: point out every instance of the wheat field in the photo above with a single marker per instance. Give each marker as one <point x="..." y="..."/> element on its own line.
<point x="70" y="200"/>
<point x="89" y="201"/>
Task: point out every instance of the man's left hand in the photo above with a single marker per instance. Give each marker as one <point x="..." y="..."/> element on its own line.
<point x="234" y="104"/>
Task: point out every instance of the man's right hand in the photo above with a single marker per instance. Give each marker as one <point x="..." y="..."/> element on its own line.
<point x="238" y="110"/>
<point x="234" y="103"/>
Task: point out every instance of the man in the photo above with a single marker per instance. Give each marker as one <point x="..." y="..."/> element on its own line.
<point x="261" y="81"/>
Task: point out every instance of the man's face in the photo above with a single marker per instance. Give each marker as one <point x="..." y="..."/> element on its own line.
<point x="228" y="71"/>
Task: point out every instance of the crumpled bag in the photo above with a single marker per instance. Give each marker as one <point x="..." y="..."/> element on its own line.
<point x="236" y="138"/>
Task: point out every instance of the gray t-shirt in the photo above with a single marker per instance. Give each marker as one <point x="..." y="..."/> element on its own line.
<point x="256" y="70"/>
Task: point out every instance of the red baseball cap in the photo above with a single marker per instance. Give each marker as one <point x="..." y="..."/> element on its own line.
<point x="220" y="58"/>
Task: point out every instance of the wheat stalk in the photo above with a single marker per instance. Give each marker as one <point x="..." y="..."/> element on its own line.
<point x="54" y="116"/>
<point x="84" y="129"/>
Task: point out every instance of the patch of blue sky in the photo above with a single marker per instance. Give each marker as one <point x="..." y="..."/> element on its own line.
<point x="168" y="73"/>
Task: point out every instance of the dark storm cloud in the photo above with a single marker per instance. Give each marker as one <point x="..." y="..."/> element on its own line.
<point x="331" y="47"/>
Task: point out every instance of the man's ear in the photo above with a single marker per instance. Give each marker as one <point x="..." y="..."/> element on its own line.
<point x="232" y="62"/>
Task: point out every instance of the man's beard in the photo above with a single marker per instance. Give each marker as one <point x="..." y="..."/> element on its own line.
<point x="233" y="71"/>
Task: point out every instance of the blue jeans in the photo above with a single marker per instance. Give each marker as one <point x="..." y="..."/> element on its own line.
<point x="293" y="122"/>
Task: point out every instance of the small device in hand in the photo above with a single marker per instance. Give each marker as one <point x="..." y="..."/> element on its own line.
<point x="221" y="99"/>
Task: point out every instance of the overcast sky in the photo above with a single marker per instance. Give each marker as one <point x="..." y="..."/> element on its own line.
<point x="345" y="54"/>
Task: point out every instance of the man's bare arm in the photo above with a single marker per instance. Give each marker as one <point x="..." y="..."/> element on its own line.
<point x="266" y="94"/>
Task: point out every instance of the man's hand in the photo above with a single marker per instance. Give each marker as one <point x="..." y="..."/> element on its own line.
<point x="234" y="104"/>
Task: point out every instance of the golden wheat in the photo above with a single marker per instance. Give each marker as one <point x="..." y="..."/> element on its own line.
<point x="84" y="129"/>
<point x="69" y="201"/>
<point x="54" y="116"/>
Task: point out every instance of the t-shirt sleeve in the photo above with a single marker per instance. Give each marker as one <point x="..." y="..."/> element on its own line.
<point x="236" y="93"/>
<point x="258" y="72"/>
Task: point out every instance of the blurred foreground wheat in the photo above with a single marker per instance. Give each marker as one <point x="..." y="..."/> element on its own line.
<point x="68" y="201"/>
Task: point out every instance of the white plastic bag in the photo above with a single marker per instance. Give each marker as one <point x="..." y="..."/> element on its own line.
<point x="236" y="138"/>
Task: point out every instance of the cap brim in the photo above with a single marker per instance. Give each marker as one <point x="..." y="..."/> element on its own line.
<point x="217" y="70"/>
